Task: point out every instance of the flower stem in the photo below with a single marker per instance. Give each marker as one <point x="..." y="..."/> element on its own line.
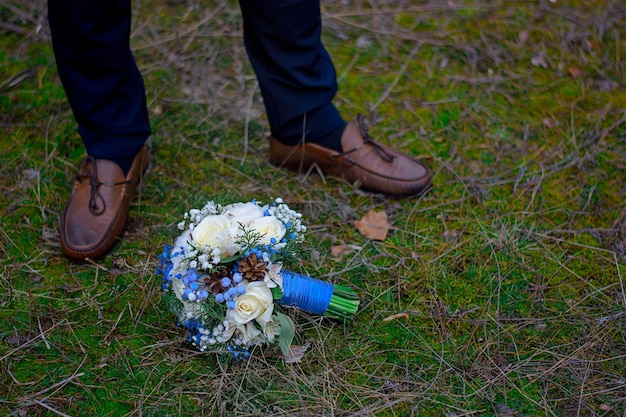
<point x="343" y="304"/>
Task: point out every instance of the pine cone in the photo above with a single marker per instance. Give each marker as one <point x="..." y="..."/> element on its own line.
<point x="213" y="280"/>
<point x="252" y="269"/>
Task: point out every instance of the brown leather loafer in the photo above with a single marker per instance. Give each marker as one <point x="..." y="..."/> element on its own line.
<point x="375" y="167"/>
<point x="96" y="213"/>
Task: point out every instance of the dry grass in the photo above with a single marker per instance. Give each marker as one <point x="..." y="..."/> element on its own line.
<point x="500" y="292"/>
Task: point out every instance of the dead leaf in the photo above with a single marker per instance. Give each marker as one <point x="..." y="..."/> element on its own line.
<point x="547" y="122"/>
<point x="575" y="71"/>
<point x="339" y="251"/>
<point x="396" y="316"/>
<point x="504" y="410"/>
<point x="450" y="235"/>
<point x="540" y="60"/>
<point x="373" y="225"/>
<point x="605" y="407"/>
<point x="607" y="85"/>
<point x="523" y="37"/>
<point x="296" y="353"/>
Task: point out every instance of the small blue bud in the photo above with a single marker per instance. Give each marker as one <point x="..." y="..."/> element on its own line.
<point x="237" y="277"/>
<point x="230" y="305"/>
<point x="219" y="298"/>
<point x="225" y="282"/>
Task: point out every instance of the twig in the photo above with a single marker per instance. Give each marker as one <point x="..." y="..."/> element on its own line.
<point x="247" y="124"/>
<point x="46" y="406"/>
<point x="187" y="31"/>
<point x="43" y="336"/>
<point x="621" y="281"/>
<point x="400" y="73"/>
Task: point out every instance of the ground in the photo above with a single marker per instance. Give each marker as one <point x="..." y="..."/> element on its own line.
<point x="498" y="292"/>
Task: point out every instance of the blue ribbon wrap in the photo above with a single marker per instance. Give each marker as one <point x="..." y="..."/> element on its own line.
<point x="309" y="294"/>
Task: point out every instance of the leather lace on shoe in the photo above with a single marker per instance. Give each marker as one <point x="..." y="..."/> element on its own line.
<point x="89" y="170"/>
<point x="367" y="140"/>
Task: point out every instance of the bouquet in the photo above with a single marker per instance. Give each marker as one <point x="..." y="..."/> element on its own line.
<point x="225" y="277"/>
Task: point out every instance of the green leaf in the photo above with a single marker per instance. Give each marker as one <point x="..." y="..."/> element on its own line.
<point x="277" y="293"/>
<point x="230" y="259"/>
<point x="287" y="332"/>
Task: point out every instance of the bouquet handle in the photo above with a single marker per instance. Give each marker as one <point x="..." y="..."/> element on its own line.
<point x="318" y="297"/>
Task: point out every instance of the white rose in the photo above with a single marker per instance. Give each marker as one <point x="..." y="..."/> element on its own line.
<point x="210" y="231"/>
<point x="256" y="304"/>
<point x="244" y="213"/>
<point x="269" y="227"/>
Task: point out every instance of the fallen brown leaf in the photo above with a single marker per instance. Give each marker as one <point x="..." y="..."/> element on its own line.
<point x="296" y="353"/>
<point x="575" y="71"/>
<point x="373" y="225"/>
<point x="396" y="316"/>
<point x="338" y="251"/>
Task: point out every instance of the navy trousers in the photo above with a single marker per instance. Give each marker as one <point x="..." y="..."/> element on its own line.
<point x="105" y="89"/>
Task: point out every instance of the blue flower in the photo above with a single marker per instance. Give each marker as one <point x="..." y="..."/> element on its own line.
<point x="192" y="275"/>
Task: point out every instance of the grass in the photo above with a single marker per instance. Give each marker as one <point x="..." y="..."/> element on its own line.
<point x="499" y="293"/>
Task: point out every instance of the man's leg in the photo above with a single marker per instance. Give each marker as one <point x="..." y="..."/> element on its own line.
<point x="295" y="73"/>
<point x="106" y="92"/>
<point x="298" y="82"/>
<point x="101" y="80"/>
